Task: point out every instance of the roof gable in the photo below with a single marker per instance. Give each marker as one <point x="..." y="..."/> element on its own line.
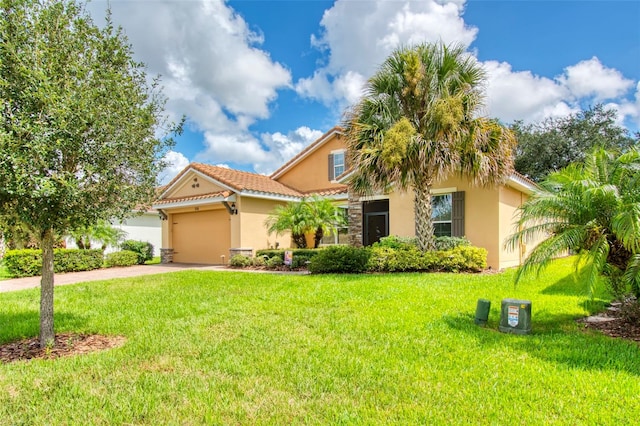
<point x="307" y="152"/>
<point x="215" y="179"/>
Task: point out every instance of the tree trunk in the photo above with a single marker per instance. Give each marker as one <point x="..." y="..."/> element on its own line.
<point x="317" y="239"/>
<point x="47" y="333"/>
<point x="299" y="240"/>
<point x="423" y="210"/>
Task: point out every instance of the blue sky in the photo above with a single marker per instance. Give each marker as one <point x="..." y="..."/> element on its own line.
<point x="260" y="80"/>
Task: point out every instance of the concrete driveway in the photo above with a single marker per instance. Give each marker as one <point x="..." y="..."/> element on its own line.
<point x="104" y="274"/>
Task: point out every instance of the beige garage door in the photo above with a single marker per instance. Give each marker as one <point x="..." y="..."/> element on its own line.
<point x="201" y="237"/>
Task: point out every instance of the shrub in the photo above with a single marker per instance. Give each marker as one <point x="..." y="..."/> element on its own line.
<point x="144" y="249"/>
<point x="28" y="262"/>
<point x="340" y="259"/>
<point x="240" y="261"/>
<point x="449" y="243"/>
<point x="461" y="259"/>
<point x="409" y="258"/>
<point x="274" y="262"/>
<point x="396" y="242"/>
<point x="121" y="258"/>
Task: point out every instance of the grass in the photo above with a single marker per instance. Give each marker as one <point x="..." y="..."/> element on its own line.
<point x="243" y="348"/>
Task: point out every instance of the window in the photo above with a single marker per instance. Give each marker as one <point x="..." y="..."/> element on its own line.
<point x="342" y="237"/>
<point x="338" y="164"/>
<point x="441" y="214"/>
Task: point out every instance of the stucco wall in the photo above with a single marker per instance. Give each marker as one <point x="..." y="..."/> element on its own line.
<point x="252" y="214"/>
<point x="312" y="172"/>
<point x="482" y="216"/>
<point x="510" y="200"/>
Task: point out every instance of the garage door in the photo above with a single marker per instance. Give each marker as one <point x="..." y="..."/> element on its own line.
<point x="201" y="237"/>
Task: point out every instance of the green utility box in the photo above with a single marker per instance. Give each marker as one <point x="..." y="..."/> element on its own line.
<point x="482" y="311"/>
<point x="515" y="316"/>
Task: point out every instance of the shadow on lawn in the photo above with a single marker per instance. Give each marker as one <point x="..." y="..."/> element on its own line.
<point x="556" y="338"/>
<point x="25" y="324"/>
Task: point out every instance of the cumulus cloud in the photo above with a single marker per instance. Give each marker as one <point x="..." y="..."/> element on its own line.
<point x="264" y="154"/>
<point x="354" y="51"/>
<point x="591" y="78"/>
<point x="213" y="69"/>
<point x="176" y="162"/>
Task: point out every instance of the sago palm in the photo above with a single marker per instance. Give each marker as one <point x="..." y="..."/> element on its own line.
<point x="592" y="209"/>
<point x="418" y="123"/>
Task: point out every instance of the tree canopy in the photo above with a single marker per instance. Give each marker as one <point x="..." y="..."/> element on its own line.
<point x="82" y="130"/>
<point x="418" y="123"/>
<point x="557" y="142"/>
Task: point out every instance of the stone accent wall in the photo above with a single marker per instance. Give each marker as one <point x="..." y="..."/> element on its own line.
<point x="247" y="251"/>
<point x="355" y="220"/>
<point x="166" y="255"/>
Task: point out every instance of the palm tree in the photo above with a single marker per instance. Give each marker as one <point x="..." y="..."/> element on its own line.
<point x="310" y="215"/>
<point x="418" y="123"/>
<point x="102" y="232"/>
<point x="593" y="209"/>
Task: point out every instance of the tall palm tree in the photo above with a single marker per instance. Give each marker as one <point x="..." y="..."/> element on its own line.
<point x="593" y="209"/>
<point x="418" y="123"/>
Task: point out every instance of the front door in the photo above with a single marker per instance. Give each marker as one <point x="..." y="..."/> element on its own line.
<point x="376" y="226"/>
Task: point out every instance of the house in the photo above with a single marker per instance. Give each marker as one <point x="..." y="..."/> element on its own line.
<point x="144" y="226"/>
<point x="211" y="213"/>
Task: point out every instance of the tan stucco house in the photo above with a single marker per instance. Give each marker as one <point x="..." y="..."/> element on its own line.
<point x="210" y="213"/>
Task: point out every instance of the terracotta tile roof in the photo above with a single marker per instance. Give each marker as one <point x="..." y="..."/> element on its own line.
<point x="241" y="181"/>
<point x="308" y="149"/>
<point x="222" y="194"/>
<point x="342" y="189"/>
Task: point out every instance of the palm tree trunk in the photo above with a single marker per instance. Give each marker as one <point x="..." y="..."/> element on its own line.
<point x="423" y="210"/>
<point x="47" y="334"/>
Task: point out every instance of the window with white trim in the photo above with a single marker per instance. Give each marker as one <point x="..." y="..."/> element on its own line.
<point x="441" y="214"/>
<point x="338" y="164"/>
<point x="342" y="236"/>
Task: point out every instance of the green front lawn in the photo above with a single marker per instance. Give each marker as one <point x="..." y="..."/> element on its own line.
<point x="245" y="348"/>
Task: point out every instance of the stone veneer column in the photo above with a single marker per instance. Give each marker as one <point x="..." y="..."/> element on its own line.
<point x="166" y="255"/>
<point x="355" y="220"/>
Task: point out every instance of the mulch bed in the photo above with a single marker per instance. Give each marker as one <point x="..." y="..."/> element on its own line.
<point x="620" y="320"/>
<point x="66" y="344"/>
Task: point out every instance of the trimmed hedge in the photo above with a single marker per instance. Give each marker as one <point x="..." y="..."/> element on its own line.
<point x="121" y="258"/>
<point x="340" y="259"/>
<point x="143" y="249"/>
<point x="462" y="258"/>
<point x="28" y="262"/>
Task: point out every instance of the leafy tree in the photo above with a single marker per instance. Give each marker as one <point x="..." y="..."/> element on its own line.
<point x="418" y="124"/>
<point x="556" y="142"/>
<point x="102" y="232"/>
<point x="80" y="126"/>
<point x="317" y="215"/>
<point x="592" y="208"/>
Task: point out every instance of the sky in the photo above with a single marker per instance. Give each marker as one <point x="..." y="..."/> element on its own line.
<point x="260" y="80"/>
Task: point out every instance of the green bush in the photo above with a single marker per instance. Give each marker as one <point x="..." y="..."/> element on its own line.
<point x="396" y="242"/>
<point x="28" y="262"/>
<point x="409" y="259"/>
<point x="305" y="253"/>
<point x="240" y="261"/>
<point x="121" y="258"/>
<point x="144" y="249"/>
<point x="274" y="262"/>
<point x="340" y="259"/>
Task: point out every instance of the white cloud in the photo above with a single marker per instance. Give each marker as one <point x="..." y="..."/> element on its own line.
<point x="213" y="70"/>
<point x="514" y="95"/>
<point x="177" y="161"/>
<point x="359" y="35"/>
<point x="592" y="79"/>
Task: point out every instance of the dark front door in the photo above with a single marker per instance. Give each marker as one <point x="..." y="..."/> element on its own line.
<point x="376" y="226"/>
